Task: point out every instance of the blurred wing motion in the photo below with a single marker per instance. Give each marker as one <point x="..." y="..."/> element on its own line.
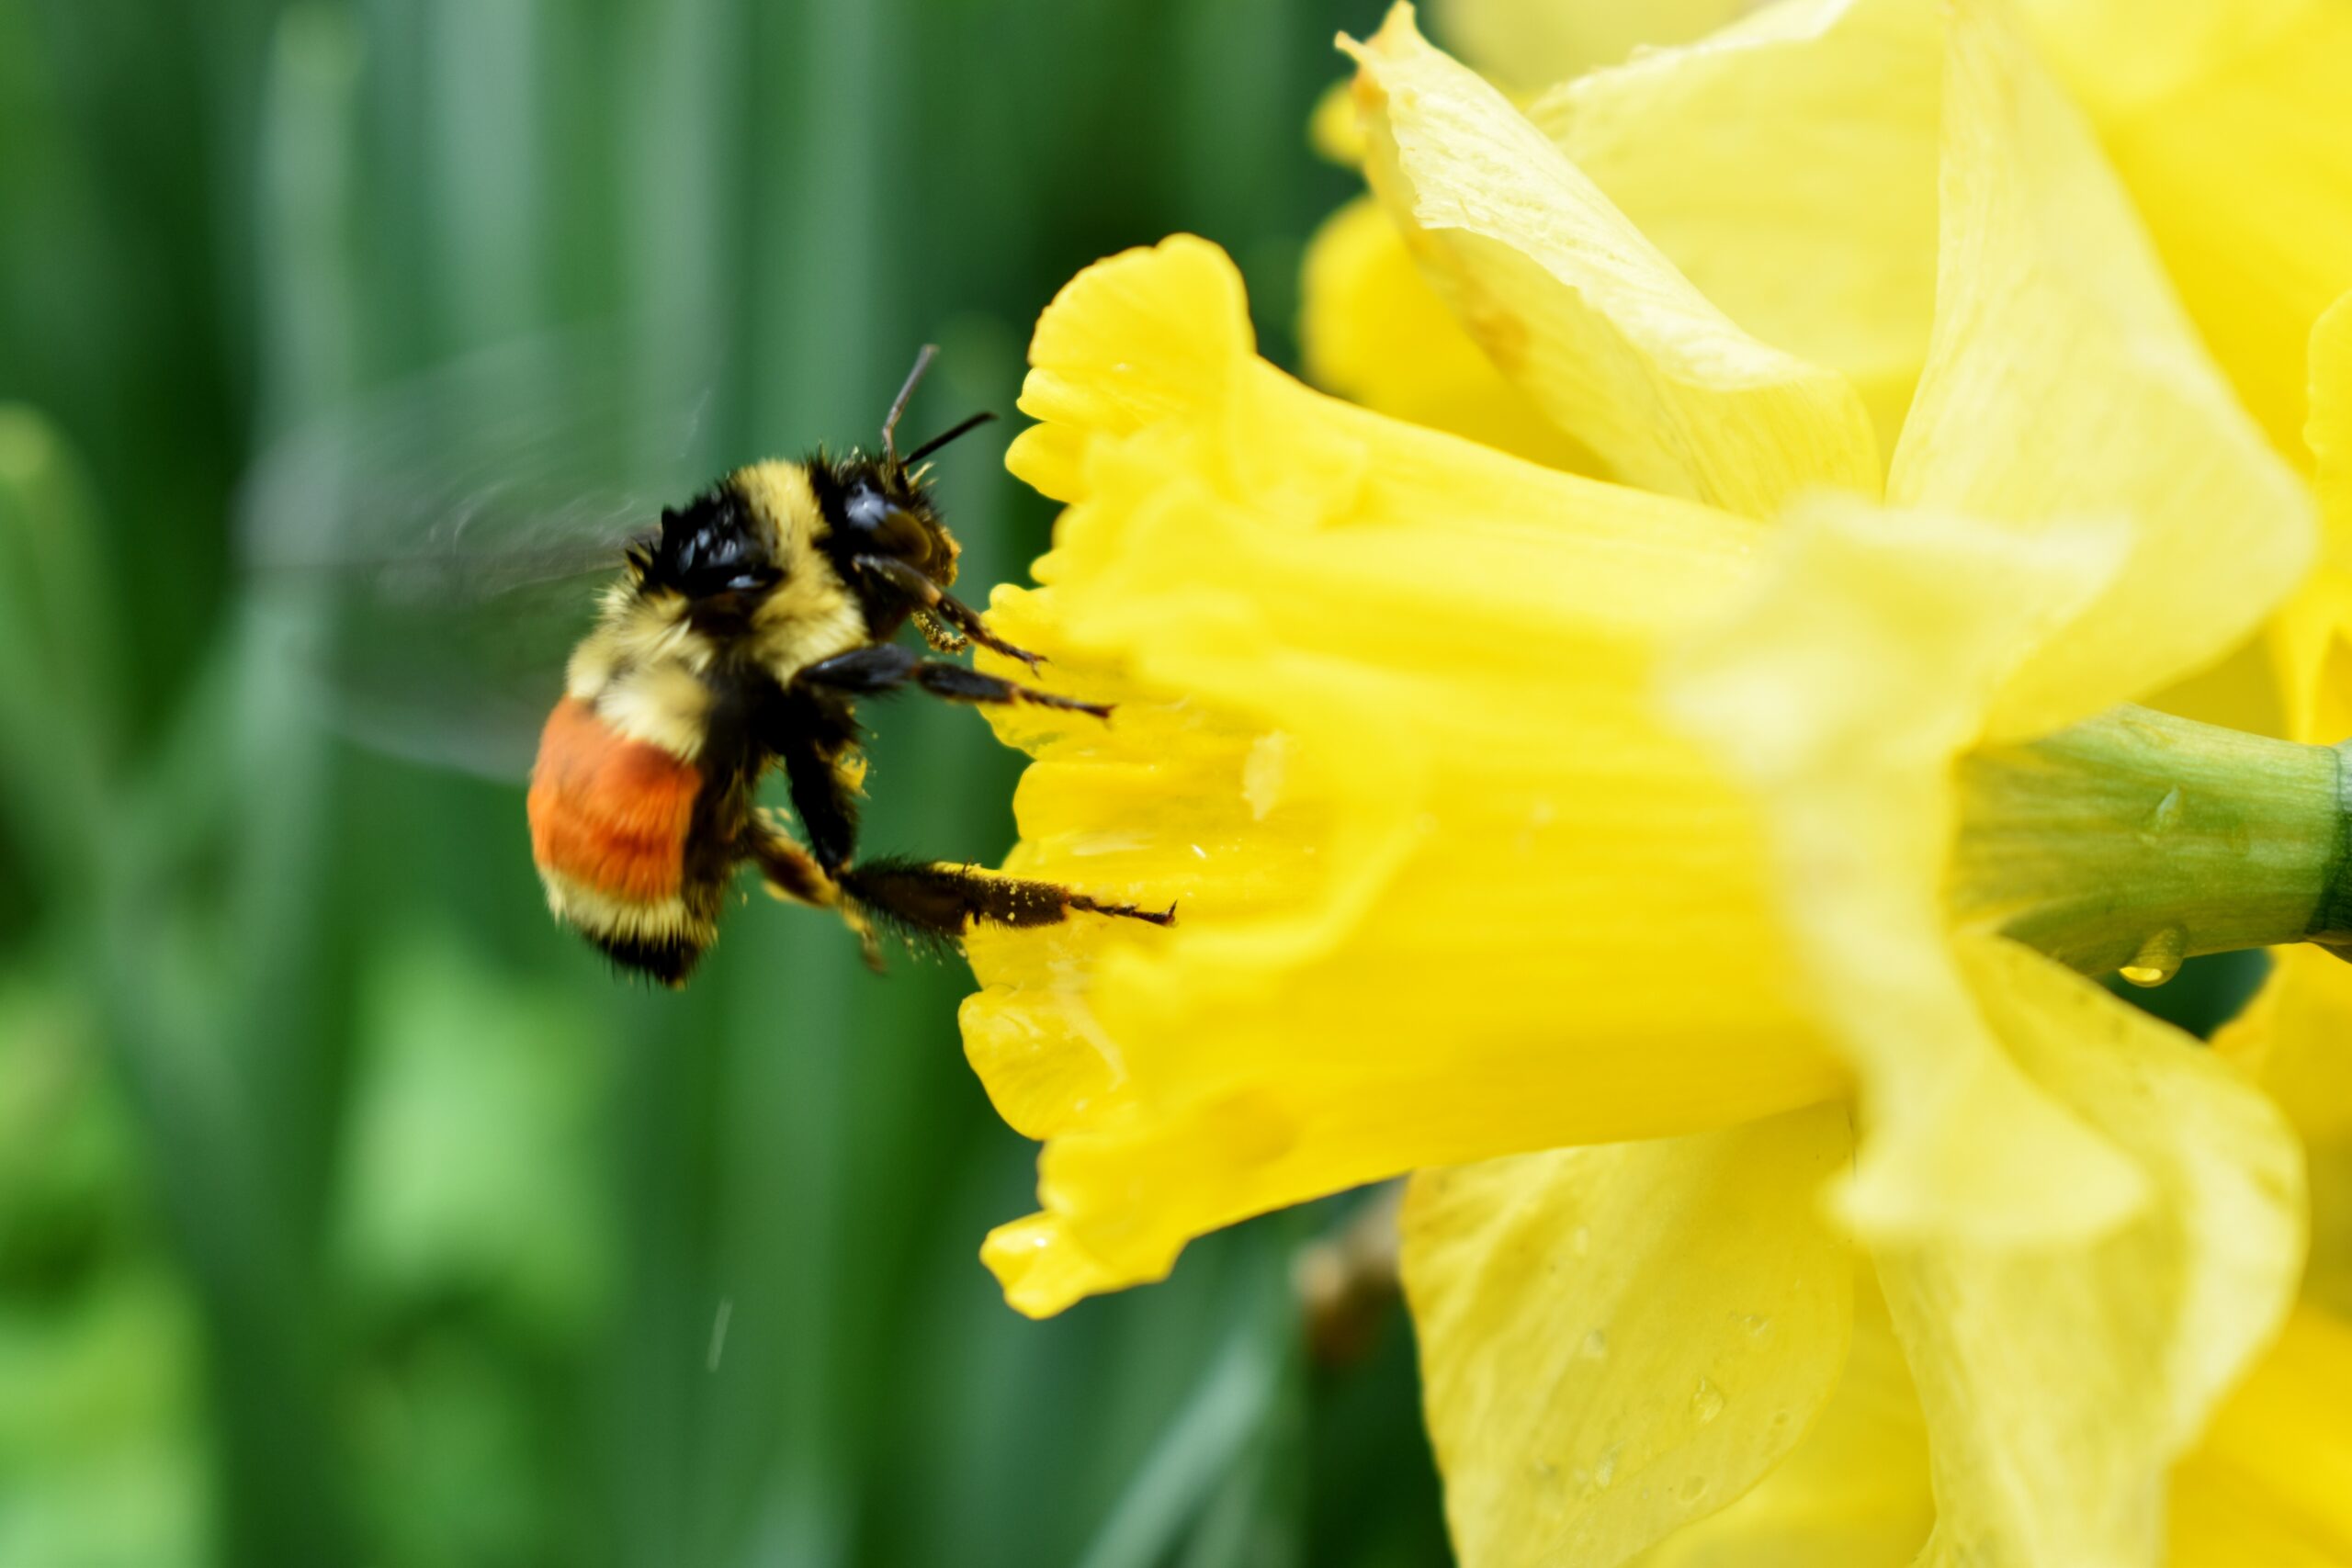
<point x="439" y="546"/>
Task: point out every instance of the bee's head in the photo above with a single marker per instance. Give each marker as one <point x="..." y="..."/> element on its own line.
<point x="716" y="544"/>
<point x="878" y="506"/>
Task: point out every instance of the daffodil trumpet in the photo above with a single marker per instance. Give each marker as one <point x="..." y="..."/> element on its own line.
<point x="2135" y="840"/>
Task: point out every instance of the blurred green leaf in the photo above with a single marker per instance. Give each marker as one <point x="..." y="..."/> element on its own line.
<point x="1212" y="1458"/>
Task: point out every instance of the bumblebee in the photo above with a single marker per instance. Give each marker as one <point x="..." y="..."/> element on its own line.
<point x="737" y="637"/>
<point x="742" y="639"/>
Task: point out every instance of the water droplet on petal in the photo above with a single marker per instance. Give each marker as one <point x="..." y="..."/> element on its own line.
<point x="2159" y="957"/>
<point x="1595" y="1345"/>
<point x="1706" y="1402"/>
<point x="1604" y="1470"/>
<point x="1757" y="1324"/>
<point x="1693" y="1489"/>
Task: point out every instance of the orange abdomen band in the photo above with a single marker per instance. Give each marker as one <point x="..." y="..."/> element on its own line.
<point x="609" y="812"/>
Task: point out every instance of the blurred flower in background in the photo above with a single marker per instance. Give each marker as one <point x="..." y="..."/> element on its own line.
<point x="1390" y="710"/>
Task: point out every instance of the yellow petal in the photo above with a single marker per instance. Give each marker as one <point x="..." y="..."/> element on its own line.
<point x="2064" y="381"/>
<point x="1526" y="44"/>
<point x="1374" y="332"/>
<point x="2272" y="1480"/>
<point x="1854" y="1494"/>
<point x="1577" y="308"/>
<point x="2230" y="123"/>
<point x="2292" y="1036"/>
<point x="1384" y="736"/>
<point x="1617" y="1340"/>
<point x="2295" y="1037"/>
<point x="2313" y="634"/>
<point x="1787" y="167"/>
<point x="1843" y="688"/>
<point x="2060" y="1382"/>
<point x="2244" y="690"/>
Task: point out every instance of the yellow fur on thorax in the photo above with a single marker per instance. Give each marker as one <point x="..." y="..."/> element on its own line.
<point x="811" y="614"/>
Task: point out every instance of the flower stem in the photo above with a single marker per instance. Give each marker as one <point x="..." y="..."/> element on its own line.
<point x="2134" y="839"/>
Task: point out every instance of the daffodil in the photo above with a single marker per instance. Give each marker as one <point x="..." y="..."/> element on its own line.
<point x="2268" y="1483"/>
<point x="1644" y="860"/>
<point x="1786" y="164"/>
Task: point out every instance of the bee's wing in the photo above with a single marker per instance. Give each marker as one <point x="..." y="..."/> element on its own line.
<point x="439" y="547"/>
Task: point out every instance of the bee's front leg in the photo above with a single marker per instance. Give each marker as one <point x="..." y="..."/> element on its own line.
<point x="884" y="666"/>
<point x="931" y="599"/>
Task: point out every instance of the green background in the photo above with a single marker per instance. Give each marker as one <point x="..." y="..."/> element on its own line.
<point x="349" y="1212"/>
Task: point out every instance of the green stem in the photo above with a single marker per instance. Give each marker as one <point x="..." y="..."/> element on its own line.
<point x="2134" y="839"/>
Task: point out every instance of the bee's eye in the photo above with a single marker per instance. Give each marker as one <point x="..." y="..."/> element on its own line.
<point x="867" y="509"/>
<point x="888" y="529"/>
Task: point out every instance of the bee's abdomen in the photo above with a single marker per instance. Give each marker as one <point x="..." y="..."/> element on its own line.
<point x="610" y="818"/>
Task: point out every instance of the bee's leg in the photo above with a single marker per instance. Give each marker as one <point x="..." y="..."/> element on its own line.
<point x="932" y="600"/>
<point x="815" y="739"/>
<point x="947" y="900"/>
<point x="886" y="667"/>
<point x="787" y="870"/>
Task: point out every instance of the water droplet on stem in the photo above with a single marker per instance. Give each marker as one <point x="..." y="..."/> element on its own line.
<point x="2159" y="957"/>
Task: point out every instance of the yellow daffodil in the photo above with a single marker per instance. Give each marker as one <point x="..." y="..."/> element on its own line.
<point x="2269" y="1486"/>
<point x="1768" y="808"/>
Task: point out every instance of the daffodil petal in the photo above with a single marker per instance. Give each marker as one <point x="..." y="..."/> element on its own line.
<point x="2272" y="1480"/>
<point x="2292" y="1036"/>
<point x="1528" y="44"/>
<point x="2295" y="1038"/>
<point x="2064" y="381"/>
<point x="2313" y="634"/>
<point x="1787" y="167"/>
<point x="1374" y="332"/>
<point x="2330" y="430"/>
<point x="1853" y="1494"/>
<point x="2060" y="1382"/>
<point x="1577" y="306"/>
<point x="1383" y="735"/>
<point x="2230" y="123"/>
<point x="1842" y="688"/>
<point x="1616" y="1340"/>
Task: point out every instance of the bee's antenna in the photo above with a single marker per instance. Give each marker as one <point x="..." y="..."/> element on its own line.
<point x="898" y="403"/>
<point x="936" y="442"/>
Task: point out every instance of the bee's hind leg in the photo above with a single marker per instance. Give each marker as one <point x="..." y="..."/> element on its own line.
<point x="790" y="871"/>
<point x="944" y="901"/>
